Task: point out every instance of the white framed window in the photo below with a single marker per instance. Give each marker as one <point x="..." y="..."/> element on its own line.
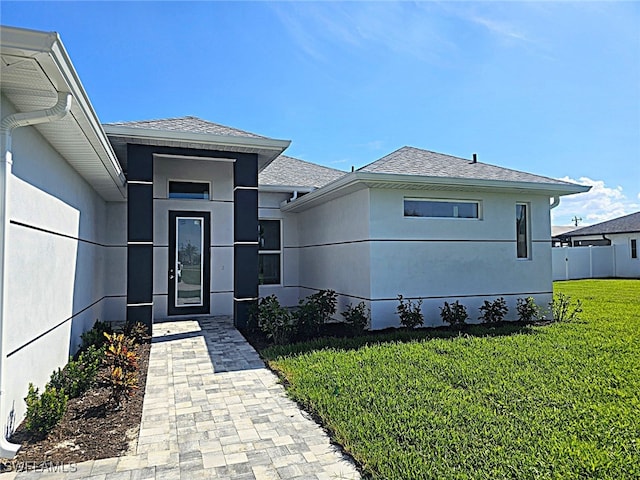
<point x="523" y="247"/>
<point x="269" y="252"/>
<point x="429" y="208"/>
<point x="634" y="248"/>
<point x="189" y="190"/>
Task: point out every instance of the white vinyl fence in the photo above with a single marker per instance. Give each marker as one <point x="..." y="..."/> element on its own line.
<point x="571" y="263"/>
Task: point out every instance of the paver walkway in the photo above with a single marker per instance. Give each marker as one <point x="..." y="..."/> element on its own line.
<point x="212" y="410"/>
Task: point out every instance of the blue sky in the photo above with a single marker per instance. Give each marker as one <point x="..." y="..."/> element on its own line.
<point x="552" y="88"/>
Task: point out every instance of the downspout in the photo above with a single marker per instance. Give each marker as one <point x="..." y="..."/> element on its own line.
<point x="7" y="126"/>
<point x="555" y="203"/>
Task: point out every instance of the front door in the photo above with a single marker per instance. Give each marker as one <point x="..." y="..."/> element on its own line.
<point x="189" y="262"/>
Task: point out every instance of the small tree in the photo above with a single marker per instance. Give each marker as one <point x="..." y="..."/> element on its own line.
<point x="44" y="411"/>
<point x="563" y="310"/>
<point x="410" y="313"/>
<point x="492" y="312"/>
<point x="357" y="318"/>
<point x="454" y="313"/>
<point x="274" y="320"/>
<point x="123" y="363"/>
<point x="527" y="309"/>
<point x="314" y="311"/>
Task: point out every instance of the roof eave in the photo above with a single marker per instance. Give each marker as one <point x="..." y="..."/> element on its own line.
<point x="47" y="49"/>
<point x="388" y="180"/>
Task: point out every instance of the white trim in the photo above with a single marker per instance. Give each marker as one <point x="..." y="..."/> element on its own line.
<point x="139" y="243"/>
<point x="244" y="188"/>
<point x="139" y="182"/>
<point x="245" y="299"/>
<point x="193" y="157"/>
<point x="246" y="243"/>
<point x="140" y="304"/>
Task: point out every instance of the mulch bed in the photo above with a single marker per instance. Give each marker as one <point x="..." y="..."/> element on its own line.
<point x="91" y="428"/>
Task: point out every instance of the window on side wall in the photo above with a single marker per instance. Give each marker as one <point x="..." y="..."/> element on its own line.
<point x="522" y="230"/>
<point x="634" y="248"/>
<point x="420" y="207"/>
<point x="188" y="190"/>
<point x="270" y="251"/>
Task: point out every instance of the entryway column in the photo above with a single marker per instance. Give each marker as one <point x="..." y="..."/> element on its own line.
<point x="140" y="235"/>
<point x="245" y="236"/>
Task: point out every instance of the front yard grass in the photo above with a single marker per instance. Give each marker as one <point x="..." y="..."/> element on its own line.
<point x="555" y="401"/>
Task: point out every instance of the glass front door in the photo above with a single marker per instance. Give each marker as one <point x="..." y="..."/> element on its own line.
<point x="189" y="234"/>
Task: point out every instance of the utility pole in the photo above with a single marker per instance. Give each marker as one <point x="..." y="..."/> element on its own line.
<point x="576" y="220"/>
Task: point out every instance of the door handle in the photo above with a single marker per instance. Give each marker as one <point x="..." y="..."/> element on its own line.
<point x="171" y="274"/>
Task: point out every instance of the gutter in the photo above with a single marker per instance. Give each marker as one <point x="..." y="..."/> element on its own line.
<point x="7" y="126"/>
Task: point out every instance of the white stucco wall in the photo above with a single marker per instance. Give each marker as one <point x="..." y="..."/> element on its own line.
<point x="220" y="175"/>
<point x="447" y="259"/>
<point x="333" y="249"/>
<point x="55" y="264"/>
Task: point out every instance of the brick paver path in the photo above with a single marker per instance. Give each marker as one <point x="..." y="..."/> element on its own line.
<point x="212" y="410"/>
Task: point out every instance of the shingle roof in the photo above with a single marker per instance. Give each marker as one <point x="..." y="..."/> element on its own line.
<point x="187" y="124"/>
<point x="415" y="161"/>
<point x="291" y="171"/>
<point x="627" y="224"/>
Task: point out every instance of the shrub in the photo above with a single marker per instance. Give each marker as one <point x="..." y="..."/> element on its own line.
<point x="44" y="411"/>
<point x="95" y="336"/>
<point x="137" y="332"/>
<point x="454" y="314"/>
<point x="493" y="311"/>
<point x="527" y="309"/>
<point x="274" y="320"/>
<point x="314" y="311"/>
<point x="123" y="363"/>
<point x="357" y="318"/>
<point x="410" y="313"/>
<point x="562" y="309"/>
<point x="78" y="375"/>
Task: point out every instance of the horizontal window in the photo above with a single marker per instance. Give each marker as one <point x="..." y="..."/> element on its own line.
<point x="414" y="207"/>
<point x="189" y="190"/>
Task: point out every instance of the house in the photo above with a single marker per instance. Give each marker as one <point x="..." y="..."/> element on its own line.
<point x="180" y="217"/>
<point x="612" y="250"/>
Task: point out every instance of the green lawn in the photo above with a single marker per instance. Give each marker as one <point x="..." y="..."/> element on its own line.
<point x="557" y="401"/>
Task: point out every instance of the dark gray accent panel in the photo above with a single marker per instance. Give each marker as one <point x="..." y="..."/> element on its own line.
<point x="141" y="314"/>
<point x="245" y="218"/>
<point x="139" y="274"/>
<point x="140" y="224"/>
<point x="139" y="163"/>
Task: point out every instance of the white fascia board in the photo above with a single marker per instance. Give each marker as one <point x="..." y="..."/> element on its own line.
<point x="47" y="49"/>
<point x="350" y="180"/>
<point x="193" y="137"/>
<point x="284" y="188"/>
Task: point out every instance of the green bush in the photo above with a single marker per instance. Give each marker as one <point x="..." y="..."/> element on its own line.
<point x="274" y="320"/>
<point x="44" y="411"/>
<point x="563" y="310"/>
<point x="527" y="309"/>
<point x="454" y="313"/>
<point x="78" y="375"/>
<point x="495" y="311"/>
<point x="357" y="318"/>
<point x="314" y="311"/>
<point x="410" y="313"/>
<point x="95" y="336"/>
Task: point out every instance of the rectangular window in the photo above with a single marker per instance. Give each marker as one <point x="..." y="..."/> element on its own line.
<point x="270" y="251"/>
<point x="522" y="234"/>
<point x="634" y="248"/>
<point x="416" y="207"/>
<point x="189" y="190"/>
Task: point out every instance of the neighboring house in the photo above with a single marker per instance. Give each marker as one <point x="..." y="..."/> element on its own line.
<point x="613" y="253"/>
<point x="558" y="232"/>
<point x="181" y="217"/>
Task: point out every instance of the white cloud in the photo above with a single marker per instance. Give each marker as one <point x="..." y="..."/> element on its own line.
<point x="599" y="204"/>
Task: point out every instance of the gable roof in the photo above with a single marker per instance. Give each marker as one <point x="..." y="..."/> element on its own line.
<point x="293" y="172"/>
<point x="192" y="132"/>
<point x="415" y="161"/>
<point x="187" y="124"/>
<point x="627" y="224"/>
